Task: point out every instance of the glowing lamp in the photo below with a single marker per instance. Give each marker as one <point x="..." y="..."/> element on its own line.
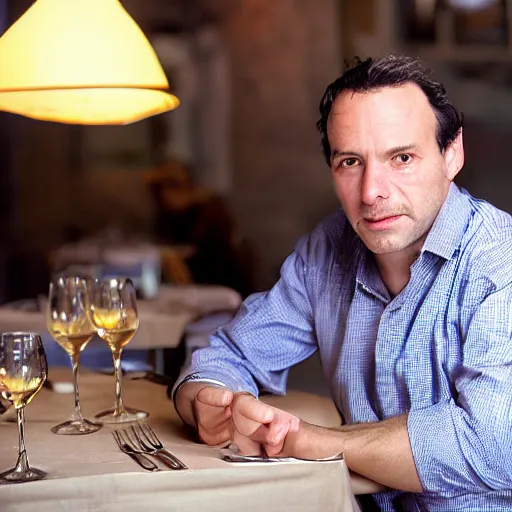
<point x="81" y="62"/>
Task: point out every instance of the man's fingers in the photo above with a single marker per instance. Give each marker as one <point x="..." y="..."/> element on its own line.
<point x="251" y="408"/>
<point x="260" y="435"/>
<point x="215" y="396"/>
<point x="212" y="406"/>
<point x="276" y="437"/>
<point x="222" y="415"/>
<point x="213" y="414"/>
<point x="247" y="445"/>
<point x="276" y="433"/>
<point x="214" y="429"/>
<point x="272" y="435"/>
<point x="215" y="440"/>
<point x="216" y="436"/>
<point x="248" y="420"/>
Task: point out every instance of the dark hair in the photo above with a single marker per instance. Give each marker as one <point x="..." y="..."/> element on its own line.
<point x="392" y="71"/>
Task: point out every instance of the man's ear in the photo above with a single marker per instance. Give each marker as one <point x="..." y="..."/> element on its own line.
<point x="454" y="157"/>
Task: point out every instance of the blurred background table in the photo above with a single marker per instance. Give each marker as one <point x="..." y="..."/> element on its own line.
<point x="176" y="322"/>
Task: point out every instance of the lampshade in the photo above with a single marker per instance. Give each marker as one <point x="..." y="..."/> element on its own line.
<point x="82" y="62"/>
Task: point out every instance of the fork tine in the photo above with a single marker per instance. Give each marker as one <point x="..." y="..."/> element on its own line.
<point x="125" y="438"/>
<point x="142" y="460"/>
<point x="148" y="436"/>
<point x="152" y="434"/>
<point x="115" y="435"/>
<point x="124" y="441"/>
<point x="146" y="432"/>
<point x="119" y="434"/>
<point x="129" y="439"/>
<point x="141" y="441"/>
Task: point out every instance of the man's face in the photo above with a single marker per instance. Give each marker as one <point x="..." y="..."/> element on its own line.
<point x="389" y="174"/>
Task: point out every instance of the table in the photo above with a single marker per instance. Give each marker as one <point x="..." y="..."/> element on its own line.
<point x="89" y="473"/>
<point x="162" y="321"/>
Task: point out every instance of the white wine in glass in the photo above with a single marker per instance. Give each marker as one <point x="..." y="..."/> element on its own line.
<point x="23" y="371"/>
<point x="114" y="314"/>
<point x="117" y="327"/>
<point x="69" y="323"/>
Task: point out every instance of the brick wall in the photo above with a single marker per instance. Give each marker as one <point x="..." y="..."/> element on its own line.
<point x="283" y="55"/>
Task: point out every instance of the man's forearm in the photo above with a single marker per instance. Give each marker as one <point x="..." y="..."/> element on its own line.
<point x="380" y="451"/>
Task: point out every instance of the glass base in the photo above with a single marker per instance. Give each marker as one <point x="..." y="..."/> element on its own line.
<point x="127" y="416"/>
<point x="14" y="476"/>
<point x="76" y="428"/>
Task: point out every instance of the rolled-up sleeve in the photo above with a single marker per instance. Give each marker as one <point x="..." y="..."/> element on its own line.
<point x="464" y="444"/>
<point x="272" y="332"/>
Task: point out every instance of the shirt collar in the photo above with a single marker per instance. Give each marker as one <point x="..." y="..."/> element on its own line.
<point x="443" y="240"/>
<point x="368" y="276"/>
<point x="450" y="225"/>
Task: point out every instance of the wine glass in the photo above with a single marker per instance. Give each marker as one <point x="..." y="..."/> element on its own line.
<point x="114" y="314"/>
<point x="23" y="370"/>
<point x="69" y="323"/>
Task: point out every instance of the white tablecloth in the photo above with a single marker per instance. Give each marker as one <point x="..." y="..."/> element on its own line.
<point x="89" y="473"/>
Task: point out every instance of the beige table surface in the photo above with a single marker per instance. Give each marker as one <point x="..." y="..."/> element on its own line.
<point x="90" y="473"/>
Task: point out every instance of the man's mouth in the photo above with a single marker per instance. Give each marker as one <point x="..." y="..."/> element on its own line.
<point x="381" y="223"/>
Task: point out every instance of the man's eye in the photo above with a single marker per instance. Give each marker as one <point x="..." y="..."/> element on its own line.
<point x="349" y="162"/>
<point x="403" y="159"/>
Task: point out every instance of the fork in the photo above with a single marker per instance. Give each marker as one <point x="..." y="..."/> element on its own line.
<point x="134" y="441"/>
<point x="136" y="455"/>
<point x="149" y="443"/>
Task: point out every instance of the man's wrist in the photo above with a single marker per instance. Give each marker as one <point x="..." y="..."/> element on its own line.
<point x="313" y="442"/>
<point x="185" y="397"/>
<point x="194" y="377"/>
<point x="177" y="387"/>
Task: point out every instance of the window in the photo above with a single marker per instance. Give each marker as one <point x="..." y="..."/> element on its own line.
<point x="448" y="22"/>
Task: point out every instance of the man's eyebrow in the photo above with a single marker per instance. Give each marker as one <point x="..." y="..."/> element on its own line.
<point x="337" y="154"/>
<point x="401" y="149"/>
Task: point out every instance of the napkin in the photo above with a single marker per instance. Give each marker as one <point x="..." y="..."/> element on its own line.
<point x="232" y="454"/>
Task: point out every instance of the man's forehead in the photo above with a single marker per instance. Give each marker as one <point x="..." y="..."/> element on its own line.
<point x="403" y="97"/>
<point x="396" y="109"/>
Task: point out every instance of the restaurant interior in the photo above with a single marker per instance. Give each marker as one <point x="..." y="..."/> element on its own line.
<point x="198" y="197"/>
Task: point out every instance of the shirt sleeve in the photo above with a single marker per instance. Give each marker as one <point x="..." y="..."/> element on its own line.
<point x="272" y="332"/>
<point x="464" y="444"/>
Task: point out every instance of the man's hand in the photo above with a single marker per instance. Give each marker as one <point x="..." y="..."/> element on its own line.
<point x="280" y="433"/>
<point x="212" y="407"/>
<point x="379" y="451"/>
<point x="257" y="425"/>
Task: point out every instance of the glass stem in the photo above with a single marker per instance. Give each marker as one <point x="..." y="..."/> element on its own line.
<point x="116" y="358"/>
<point x="75" y="362"/>
<point x="22" y="463"/>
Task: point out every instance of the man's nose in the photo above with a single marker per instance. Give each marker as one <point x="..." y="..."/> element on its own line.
<point x="375" y="183"/>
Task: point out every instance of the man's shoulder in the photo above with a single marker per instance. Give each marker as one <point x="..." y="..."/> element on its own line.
<point x="493" y="223"/>
<point x="489" y="242"/>
<point x="332" y="241"/>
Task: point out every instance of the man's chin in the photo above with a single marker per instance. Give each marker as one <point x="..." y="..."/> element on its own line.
<point x="384" y="245"/>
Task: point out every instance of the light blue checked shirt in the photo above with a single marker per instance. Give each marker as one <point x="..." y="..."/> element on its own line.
<point x="441" y="350"/>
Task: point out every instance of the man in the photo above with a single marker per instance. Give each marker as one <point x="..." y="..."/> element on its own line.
<point x="406" y="292"/>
